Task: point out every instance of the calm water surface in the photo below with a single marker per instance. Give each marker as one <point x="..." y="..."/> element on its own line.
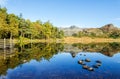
<point x="60" y="61"/>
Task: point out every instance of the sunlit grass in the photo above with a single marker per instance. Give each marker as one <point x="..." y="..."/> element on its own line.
<point x="68" y="40"/>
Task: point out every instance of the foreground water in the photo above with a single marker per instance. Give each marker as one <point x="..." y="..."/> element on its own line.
<point x="60" y="61"/>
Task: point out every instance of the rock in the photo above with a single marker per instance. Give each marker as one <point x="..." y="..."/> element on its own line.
<point x="98" y="64"/>
<point x="85" y="67"/>
<point x="80" y="62"/>
<point x="87" y="60"/>
<point x="98" y="61"/>
<point x="90" y="69"/>
<point x="95" y="66"/>
<point x="108" y="28"/>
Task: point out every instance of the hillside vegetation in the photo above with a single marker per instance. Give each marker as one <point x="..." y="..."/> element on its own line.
<point x="13" y="26"/>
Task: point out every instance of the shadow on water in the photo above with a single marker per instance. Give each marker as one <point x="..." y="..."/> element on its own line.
<point x="45" y="51"/>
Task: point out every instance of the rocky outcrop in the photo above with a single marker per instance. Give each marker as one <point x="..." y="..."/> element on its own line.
<point x="71" y="30"/>
<point x="90" y="31"/>
<point x="109" y="28"/>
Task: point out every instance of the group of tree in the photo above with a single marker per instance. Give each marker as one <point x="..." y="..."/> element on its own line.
<point x="13" y="26"/>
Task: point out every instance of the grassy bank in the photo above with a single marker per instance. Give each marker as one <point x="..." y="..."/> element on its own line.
<point x="88" y="40"/>
<point x="26" y="41"/>
<point x="70" y="40"/>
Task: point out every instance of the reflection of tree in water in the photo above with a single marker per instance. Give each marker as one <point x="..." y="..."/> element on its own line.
<point x="46" y="51"/>
<point x="27" y="52"/>
<point x="108" y="49"/>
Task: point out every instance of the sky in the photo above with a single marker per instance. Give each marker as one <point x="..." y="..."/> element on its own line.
<point x="64" y="13"/>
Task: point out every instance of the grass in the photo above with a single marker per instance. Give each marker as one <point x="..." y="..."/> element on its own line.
<point x="26" y="40"/>
<point x="89" y="40"/>
<point x="69" y="40"/>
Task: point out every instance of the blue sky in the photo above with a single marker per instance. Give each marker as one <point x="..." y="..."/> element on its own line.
<point x="64" y="13"/>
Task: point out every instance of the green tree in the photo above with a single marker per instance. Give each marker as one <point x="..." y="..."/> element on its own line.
<point x="115" y="34"/>
<point x="3" y="25"/>
<point x="13" y="23"/>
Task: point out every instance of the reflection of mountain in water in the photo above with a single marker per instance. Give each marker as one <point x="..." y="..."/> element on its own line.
<point x="108" y="49"/>
<point x="71" y="49"/>
<point x="38" y="52"/>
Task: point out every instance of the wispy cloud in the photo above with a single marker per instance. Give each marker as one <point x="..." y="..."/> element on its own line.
<point x="3" y="2"/>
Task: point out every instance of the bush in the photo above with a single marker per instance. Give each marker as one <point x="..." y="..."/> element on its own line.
<point x="114" y="35"/>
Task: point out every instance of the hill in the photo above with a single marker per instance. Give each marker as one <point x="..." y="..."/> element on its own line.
<point x="108" y="30"/>
<point x="71" y="30"/>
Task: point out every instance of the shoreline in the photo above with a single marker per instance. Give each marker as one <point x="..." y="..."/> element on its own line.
<point x="89" y="40"/>
<point x="69" y="40"/>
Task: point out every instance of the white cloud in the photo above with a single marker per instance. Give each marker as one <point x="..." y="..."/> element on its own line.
<point x="3" y="2"/>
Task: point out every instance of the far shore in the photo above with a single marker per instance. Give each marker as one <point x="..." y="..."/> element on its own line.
<point x="89" y="40"/>
<point x="71" y="40"/>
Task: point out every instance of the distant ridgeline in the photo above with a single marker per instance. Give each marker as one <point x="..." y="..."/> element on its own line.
<point x="106" y="31"/>
<point x="12" y="26"/>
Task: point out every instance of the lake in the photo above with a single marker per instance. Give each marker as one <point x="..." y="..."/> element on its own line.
<point x="60" y="61"/>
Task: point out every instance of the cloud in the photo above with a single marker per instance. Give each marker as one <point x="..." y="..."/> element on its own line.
<point x="3" y="2"/>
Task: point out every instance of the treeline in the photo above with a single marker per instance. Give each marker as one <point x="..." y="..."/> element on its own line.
<point x="13" y="26"/>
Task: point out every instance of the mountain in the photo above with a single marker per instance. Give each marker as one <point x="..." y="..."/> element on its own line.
<point x="109" y="28"/>
<point x="102" y="31"/>
<point x="71" y="30"/>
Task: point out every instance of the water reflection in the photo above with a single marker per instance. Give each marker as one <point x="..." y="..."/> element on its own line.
<point x="26" y="53"/>
<point x="108" y="49"/>
<point x="53" y="61"/>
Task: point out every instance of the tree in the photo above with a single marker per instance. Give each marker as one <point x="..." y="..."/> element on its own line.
<point x="3" y="24"/>
<point x="13" y="23"/>
<point x="74" y="34"/>
<point x="80" y="34"/>
<point x="16" y="26"/>
<point x="115" y="34"/>
<point x="61" y="34"/>
<point x="23" y="26"/>
<point x="47" y="25"/>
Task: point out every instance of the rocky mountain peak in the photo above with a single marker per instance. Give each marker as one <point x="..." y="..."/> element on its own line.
<point x="109" y="28"/>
